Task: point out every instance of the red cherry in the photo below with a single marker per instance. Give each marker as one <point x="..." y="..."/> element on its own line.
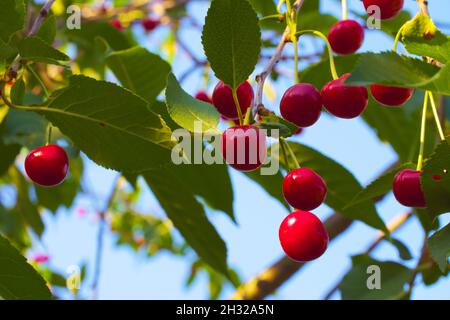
<point x="244" y="147"/>
<point x="303" y="236"/>
<point x="344" y="101"/>
<point x="408" y="190"/>
<point x="47" y="165"/>
<point x="223" y="99"/>
<point x="388" y="8"/>
<point x="149" y="24"/>
<point x="116" y="24"/>
<point x="299" y="131"/>
<point x="346" y="36"/>
<point x="203" y="96"/>
<point x="391" y="96"/>
<point x="304" y="189"/>
<point x="301" y="104"/>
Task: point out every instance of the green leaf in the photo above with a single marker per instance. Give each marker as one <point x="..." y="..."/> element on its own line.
<point x="24" y="206"/>
<point x="342" y="185"/>
<point x="267" y="8"/>
<point x="13" y="227"/>
<point x="18" y="279"/>
<point x="421" y="37"/>
<point x="435" y="180"/>
<point x="272" y="121"/>
<point x="110" y="124"/>
<point x="11" y="18"/>
<point x="437" y="48"/>
<point x="430" y="271"/>
<point x="378" y="187"/>
<point x="402" y="249"/>
<point x="8" y="155"/>
<point x="24" y="128"/>
<point x="186" y="111"/>
<point x="391" y="26"/>
<point x="389" y="68"/>
<point x="85" y="37"/>
<point x="201" y="180"/>
<point x="393" y="277"/>
<point x="18" y="92"/>
<point x="310" y="6"/>
<point x="65" y="193"/>
<point x="315" y="21"/>
<point x="35" y="49"/>
<point x="420" y="27"/>
<point x="270" y="183"/>
<point x="7" y="54"/>
<point x="142" y="72"/>
<point x="47" y="31"/>
<point x="439" y="246"/>
<point x="232" y="40"/>
<point x="188" y="217"/>
<point x="427" y="221"/>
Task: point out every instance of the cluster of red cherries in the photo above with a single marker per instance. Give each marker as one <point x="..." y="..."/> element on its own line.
<point x="302" y="235"/>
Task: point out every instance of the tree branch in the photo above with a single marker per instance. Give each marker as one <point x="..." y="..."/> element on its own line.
<point x="423" y="4"/>
<point x="100" y="236"/>
<point x="261" y="78"/>
<point x="43" y="13"/>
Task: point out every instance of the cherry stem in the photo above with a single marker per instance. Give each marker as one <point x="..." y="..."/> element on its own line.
<point x="330" y="51"/>
<point x="295" y="43"/>
<point x="344" y="9"/>
<point x="41" y="83"/>
<point x="49" y="134"/>
<point x="291" y="16"/>
<point x="278" y="16"/>
<point x="238" y="106"/>
<point x="436" y="115"/>
<point x="397" y="38"/>
<point x="291" y="153"/>
<point x="248" y="119"/>
<point x="205" y="77"/>
<point x="422" y="132"/>
<point x="285" y="156"/>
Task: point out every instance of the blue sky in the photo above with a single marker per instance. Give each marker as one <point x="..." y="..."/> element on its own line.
<point x="253" y="244"/>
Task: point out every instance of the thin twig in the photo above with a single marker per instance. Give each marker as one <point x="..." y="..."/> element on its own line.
<point x="188" y="51"/>
<point x="423" y="4"/>
<point x="100" y="236"/>
<point x="416" y="271"/>
<point x="43" y="13"/>
<point x="261" y="78"/>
